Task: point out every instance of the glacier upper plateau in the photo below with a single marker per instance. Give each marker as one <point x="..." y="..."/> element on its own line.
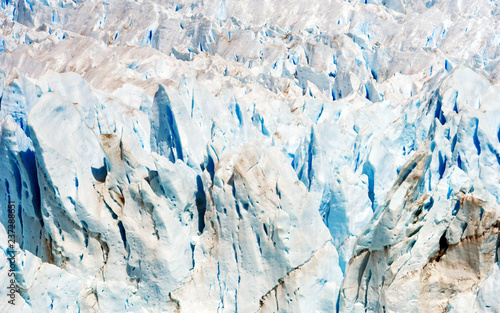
<point x="250" y="156"/>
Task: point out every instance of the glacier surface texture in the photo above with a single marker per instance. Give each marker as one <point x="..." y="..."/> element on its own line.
<point x="250" y="156"/>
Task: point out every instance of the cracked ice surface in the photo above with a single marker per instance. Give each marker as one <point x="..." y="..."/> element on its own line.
<point x="230" y="156"/>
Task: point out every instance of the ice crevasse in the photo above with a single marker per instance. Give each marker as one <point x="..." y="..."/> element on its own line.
<point x="231" y="156"/>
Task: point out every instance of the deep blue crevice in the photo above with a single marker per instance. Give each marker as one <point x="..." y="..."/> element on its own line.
<point x="174" y="133"/>
<point x="455" y="107"/>
<point x="113" y="214"/>
<point x="300" y="174"/>
<point x="122" y="234"/>
<point x="429" y="205"/>
<point x="100" y="173"/>
<point x="192" y="105"/>
<point x="442" y="165"/>
<point x="476" y="138"/>
<point x="167" y="131"/>
<point x="201" y="204"/>
<point x="233" y="187"/>
<point x="447" y="64"/>
<point x="454" y="142"/>
<point x="320" y="113"/>
<point x="192" y="256"/>
<point x="7" y="187"/>
<point x="443" y="246"/>
<point x="368" y="171"/>
<point x="238" y="114"/>
<point x="237" y="207"/>
<point x="294" y="162"/>
<point x="310" y="152"/>
<point x="85" y="235"/>
<point x="235" y="253"/>
<point x="439" y="112"/>
<point x="337" y="305"/>
<point x="211" y="167"/>
<point x="459" y="162"/>
<point x="29" y="163"/>
<point x="264" y="129"/>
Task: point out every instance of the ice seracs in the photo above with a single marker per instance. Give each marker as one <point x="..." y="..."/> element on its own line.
<point x="223" y="156"/>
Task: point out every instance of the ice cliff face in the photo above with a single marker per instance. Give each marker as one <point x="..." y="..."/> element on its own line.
<point x="230" y="156"/>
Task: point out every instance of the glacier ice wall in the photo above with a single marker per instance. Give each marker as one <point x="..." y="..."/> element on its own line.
<point x="230" y="156"/>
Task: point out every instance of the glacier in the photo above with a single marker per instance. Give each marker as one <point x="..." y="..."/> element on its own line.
<point x="250" y="156"/>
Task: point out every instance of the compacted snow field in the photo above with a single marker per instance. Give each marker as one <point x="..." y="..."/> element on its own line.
<point x="249" y="156"/>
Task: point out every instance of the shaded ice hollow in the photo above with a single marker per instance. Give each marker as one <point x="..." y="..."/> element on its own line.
<point x="251" y="156"/>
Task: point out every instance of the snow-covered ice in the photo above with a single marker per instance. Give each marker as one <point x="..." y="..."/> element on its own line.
<point x="250" y="156"/>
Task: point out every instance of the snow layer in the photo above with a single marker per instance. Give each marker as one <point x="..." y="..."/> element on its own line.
<point x="230" y="156"/>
